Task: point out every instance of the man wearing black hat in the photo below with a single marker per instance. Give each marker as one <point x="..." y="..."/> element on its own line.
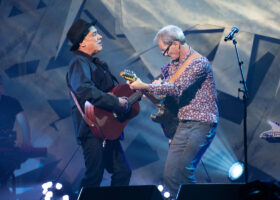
<point x="90" y="80"/>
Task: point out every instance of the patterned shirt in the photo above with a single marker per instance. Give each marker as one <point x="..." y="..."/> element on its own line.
<point x="195" y="89"/>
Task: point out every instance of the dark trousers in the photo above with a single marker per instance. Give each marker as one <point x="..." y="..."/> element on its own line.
<point x="97" y="158"/>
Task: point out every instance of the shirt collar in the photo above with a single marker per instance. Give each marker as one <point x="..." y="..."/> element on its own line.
<point x="81" y="53"/>
<point x="180" y="62"/>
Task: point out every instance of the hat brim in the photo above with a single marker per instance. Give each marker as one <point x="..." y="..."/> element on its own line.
<point x="75" y="45"/>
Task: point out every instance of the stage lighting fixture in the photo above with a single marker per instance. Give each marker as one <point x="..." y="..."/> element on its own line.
<point x="47" y="185"/>
<point x="58" y="186"/>
<point x="56" y="191"/>
<point x="45" y="191"/>
<point x="65" y="197"/>
<point x="48" y="195"/>
<point x="166" y="194"/>
<point x="160" y="188"/>
<point x="235" y="171"/>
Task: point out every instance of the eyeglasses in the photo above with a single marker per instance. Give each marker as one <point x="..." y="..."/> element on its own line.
<point x="167" y="49"/>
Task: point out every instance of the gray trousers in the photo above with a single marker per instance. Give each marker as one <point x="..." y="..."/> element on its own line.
<point x="190" y="142"/>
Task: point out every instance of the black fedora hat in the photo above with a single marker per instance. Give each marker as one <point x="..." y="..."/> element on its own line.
<point x="78" y="32"/>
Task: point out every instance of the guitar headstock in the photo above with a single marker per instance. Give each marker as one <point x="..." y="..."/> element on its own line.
<point x="128" y="75"/>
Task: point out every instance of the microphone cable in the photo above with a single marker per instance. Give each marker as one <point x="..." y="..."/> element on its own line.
<point x="63" y="170"/>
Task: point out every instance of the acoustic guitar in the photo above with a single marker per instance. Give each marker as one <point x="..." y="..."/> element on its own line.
<point x="110" y="125"/>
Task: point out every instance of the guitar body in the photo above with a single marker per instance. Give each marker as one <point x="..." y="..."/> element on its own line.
<point x="105" y="125"/>
<point x="167" y="116"/>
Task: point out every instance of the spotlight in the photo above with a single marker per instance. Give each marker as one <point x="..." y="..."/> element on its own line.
<point x="47" y="185"/>
<point x="65" y="197"/>
<point x="45" y="191"/>
<point x="166" y="194"/>
<point x="54" y="190"/>
<point x="58" y="186"/>
<point x="49" y="195"/>
<point x="164" y="191"/>
<point x="160" y="188"/>
<point x="235" y="171"/>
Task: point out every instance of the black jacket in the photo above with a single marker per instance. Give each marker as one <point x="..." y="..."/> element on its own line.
<point x="90" y="80"/>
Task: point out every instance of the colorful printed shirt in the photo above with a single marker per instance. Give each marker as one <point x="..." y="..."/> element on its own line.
<point x="195" y="89"/>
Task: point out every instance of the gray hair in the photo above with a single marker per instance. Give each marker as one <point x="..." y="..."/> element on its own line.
<point x="169" y="34"/>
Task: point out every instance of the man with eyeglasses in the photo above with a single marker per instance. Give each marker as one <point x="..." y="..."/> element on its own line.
<point x="189" y="77"/>
<point x="90" y="80"/>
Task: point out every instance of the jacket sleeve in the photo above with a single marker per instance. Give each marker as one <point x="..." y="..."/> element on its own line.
<point x="79" y="77"/>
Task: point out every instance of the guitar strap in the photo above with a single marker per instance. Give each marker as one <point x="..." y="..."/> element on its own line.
<point x="183" y="67"/>
<point x="88" y="121"/>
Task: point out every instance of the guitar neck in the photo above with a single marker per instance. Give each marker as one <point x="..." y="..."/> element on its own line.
<point x="134" y="97"/>
<point x="138" y="94"/>
<point x="151" y="97"/>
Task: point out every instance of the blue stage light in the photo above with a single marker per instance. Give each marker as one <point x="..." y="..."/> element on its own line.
<point x="235" y="171"/>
